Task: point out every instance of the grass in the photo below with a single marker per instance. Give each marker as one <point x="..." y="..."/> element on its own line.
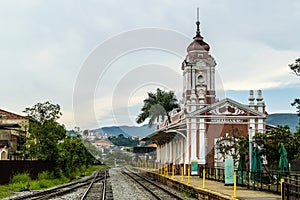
<point x="45" y="180"/>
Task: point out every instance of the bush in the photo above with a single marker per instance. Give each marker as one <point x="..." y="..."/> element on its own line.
<point x="45" y="175"/>
<point x="20" y="182"/>
<point x="21" y="178"/>
<point x="46" y="183"/>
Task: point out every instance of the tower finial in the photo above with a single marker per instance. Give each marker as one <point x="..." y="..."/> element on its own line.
<point x="198" y="24"/>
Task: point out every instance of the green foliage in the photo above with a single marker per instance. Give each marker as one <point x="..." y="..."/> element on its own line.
<point x="47" y="140"/>
<point x="157" y="105"/>
<point x="93" y="168"/>
<point x="92" y="149"/>
<point x="6" y="191"/>
<point x="120" y="140"/>
<point x="296" y="142"/>
<point x="272" y="140"/>
<point x="20" y="181"/>
<point x="42" y="112"/>
<point x="296" y="66"/>
<point x="121" y="158"/>
<point x="44" y="132"/>
<point x="72" y="156"/>
<point x="233" y="145"/>
<point x="45" y="175"/>
<point x="296" y="103"/>
<point x="21" y="178"/>
<point x="45" y="180"/>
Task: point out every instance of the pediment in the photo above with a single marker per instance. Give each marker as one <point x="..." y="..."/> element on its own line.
<point x="227" y="107"/>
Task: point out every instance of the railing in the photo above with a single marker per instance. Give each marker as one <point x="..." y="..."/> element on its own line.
<point x="290" y="189"/>
<point x="217" y="174"/>
<point x="265" y="181"/>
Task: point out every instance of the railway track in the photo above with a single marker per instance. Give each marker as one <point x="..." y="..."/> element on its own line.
<point x="155" y="190"/>
<point x="64" y="189"/>
<point x="98" y="190"/>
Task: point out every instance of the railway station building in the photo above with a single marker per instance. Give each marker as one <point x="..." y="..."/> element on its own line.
<point x="203" y="118"/>
<point x="12" y="129"/>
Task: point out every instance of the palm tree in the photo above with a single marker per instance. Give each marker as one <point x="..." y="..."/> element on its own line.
<point x="156" y="105"/>
<point x="296" y="66"/>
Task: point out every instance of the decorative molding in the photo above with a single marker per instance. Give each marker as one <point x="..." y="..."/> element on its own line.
<point x="227" y="109"/>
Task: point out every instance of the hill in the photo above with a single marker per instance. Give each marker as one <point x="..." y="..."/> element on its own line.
<point x="283" y="119"/>
<point x="127" y="131"/>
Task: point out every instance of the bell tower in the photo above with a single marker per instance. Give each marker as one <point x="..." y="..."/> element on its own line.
<point x="198" y="72"/>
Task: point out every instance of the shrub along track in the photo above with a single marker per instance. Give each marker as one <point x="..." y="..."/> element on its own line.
<point x="66" y="188"/>
<point x="155" y="190"/>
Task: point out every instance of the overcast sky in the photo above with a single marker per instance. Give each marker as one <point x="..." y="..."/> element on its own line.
<point x="96" y="58"/>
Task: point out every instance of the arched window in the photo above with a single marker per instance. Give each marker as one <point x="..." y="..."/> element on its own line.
<point x="3" y="155"/>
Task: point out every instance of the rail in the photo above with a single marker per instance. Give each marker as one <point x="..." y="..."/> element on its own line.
<point x="97" y="177"/>
<point x="150" y="189"/>
<point x="290" y="189"/>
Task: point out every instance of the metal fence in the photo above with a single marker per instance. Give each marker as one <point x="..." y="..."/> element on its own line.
<point x="264" y="181"/>
<point x="291" y="189"/>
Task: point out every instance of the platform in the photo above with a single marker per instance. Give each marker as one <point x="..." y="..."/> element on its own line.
<point x="218" y="188"/>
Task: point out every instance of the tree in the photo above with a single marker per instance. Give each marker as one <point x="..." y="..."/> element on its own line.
<point x="296" y="66"/>
<point x="233" y="145"/>
<point x="42" y="112"/>
<point x="73" y="155"/>
<point x="296" y="103"/>
<point x="86" y="132"/>
<point x="157" y="105"/>
<point x="271" y="141"/>
<point x="44" y="131"/>
<point x="296" y="142"/>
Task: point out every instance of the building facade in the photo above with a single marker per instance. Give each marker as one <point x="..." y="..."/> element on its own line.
<point x="13" y="128"/>
<point x="202" y="118"/>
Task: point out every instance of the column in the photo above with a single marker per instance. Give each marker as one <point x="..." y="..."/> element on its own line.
<point x="170" y="152"/>
<point x="158" y="154"/>
<point x="202" y="145"/>
<point x="193" y="140"/>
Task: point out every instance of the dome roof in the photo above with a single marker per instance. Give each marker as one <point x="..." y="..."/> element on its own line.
<point x="198" y="43"/>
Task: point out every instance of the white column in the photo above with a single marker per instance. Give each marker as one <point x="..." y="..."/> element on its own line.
<point x="162" y="153"/>
<point x="177" y="151"/>
<point x="212" y="78"/>
<point x="166" y="153"/>
<point x="188" y="143"/>
<point x="260" y="125"/>
<point x="252" y="126"/>
<point x="158" y="153"/>
<point x="170" y="152"/>
<point x="182" y="150"/>
<point x="174" y="147"/>
<point x="193" y="140"/>
<point x="202" y="142"/>
<point x="188" y="78"/>
<point x="194" y="78"/>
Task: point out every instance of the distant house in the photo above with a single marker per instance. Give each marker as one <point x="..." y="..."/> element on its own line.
<point x="12" y="130"/>
<point x="102" y="143"/>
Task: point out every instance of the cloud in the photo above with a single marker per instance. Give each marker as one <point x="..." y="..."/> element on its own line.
<point x="44" y="45"/>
